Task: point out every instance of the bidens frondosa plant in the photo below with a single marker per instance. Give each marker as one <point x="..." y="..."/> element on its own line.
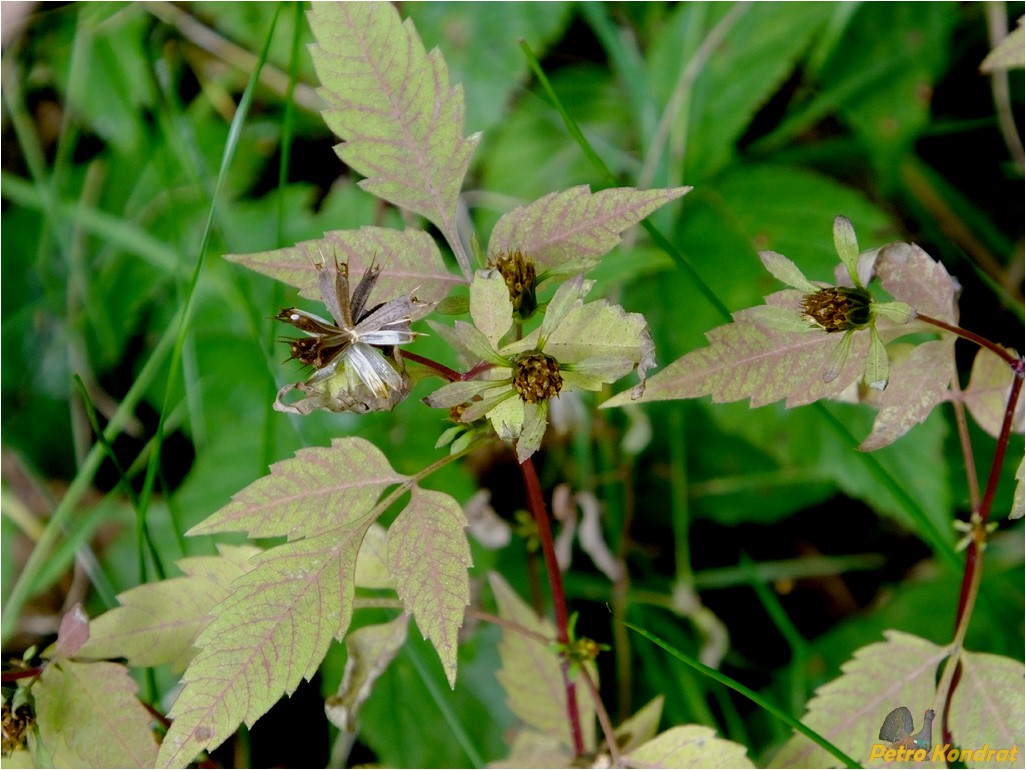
<point x="246" y="625"/>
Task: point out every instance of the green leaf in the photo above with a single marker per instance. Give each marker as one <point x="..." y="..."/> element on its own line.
<point x="847" y="247"/>
<point x="569" y="231"/>
<point x="1008" y="53"/>
<point x="641" y="727"/>
<point x="370" y="649"/>
<point x="531" y="674"/>
<point x="410" y="262"/>
<point x="308" y="494"/>
<point x="428" y="556"/>
<point x="158" y="623"/>
<point x="986" y="396"/>
<point x="987" y="706"/>
<point x="689" y="746"/>
<point x="787" y="271"/>
<point x="848" y="711"/>
<point x="746" y="360"/>
<point x="89" y="716"/>
<point x="391" y="103"/>
<point x="1018" y="508"/>
<point x="490" y="306"/>
<point x="877" y="371"/>
<point x="372" y="561"/>
<point x="270" y="633"/>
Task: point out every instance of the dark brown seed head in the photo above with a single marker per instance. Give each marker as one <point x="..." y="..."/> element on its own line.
<point x="837" y="308"/>
<point x="519" y="274"/>
<point x="536" y="377"/>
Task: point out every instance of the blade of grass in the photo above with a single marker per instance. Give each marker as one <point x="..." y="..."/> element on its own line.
<point x="753" y="696"/>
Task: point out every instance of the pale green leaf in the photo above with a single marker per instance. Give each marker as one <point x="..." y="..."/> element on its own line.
<point x="1018" y="508"/>
<point x="988" y="705"/>
<point x="270" y="633"/>
<point x="838" y="357"/>
<point x="570" y="294"/>
<point x="490" y="306"/>
<point x="531" y="674"/>
<point x="899" y="312"/>
<point x="372" y="561"/>
<point x="391" y="103"/>
<point x="308" y="494"/>
<point x="428" y="556"/>
<point x="747" y="360"/>
<point x="641" y="726"/>
<point x="918" y="383"/>
<point x="409" y="259"/>
<point x="533" y="749"/>
<point x="689" y="746"/>
<point x="987" y="393"/>
<point x="877" y="371"/>
<point x="89" y="716"/>
<point x="783" y="269"/>
<point x="850" y="710"/>
<point x="781" y="319"/>
<point x="569" y="231"/>
<point x="72" y="633"/>
<point x="847" y="247"/>
<point x="370" y="650"/>
<point x="157" y="623"/>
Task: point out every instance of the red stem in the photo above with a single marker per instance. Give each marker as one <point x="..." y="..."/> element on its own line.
<point x="444" y="371"/>
<point x="536" y="503"/>
<point x="983" y="342"/>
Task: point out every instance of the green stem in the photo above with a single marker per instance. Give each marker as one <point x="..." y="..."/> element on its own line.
<point x="536" y="503"/>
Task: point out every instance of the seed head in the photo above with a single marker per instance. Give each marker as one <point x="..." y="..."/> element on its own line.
<point x="536" y="377"/>
<point x="838" y="308"/>
<point x="519" y="274"/>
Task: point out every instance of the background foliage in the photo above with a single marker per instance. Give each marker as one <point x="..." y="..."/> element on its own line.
<point x="781" y="117"/>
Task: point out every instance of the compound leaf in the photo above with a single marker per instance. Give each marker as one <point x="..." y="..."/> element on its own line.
<point x="157" y="623"/>
<point x="409" y="260"/>
<point x="531" y="674"/>
<point x="428" y="556"/>
<point x="307" y="494"/>
<point x="987" y="394"/>
<point x="570" y="231"/>
<point x="988" y="705"/>
<point x="848" y="711"/>
<point x="391" y="102"/>
<point x="270" y="633"/>
<point x="89" y="716"/>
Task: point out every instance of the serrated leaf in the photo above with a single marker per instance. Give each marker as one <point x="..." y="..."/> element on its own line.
<point x="428" y="556"/>
<point x="307" y="494"/>
<point x="409" y="259"/>
<point x="849" y="710"/>
<point x="89" y="716"/>
<point x="911" y="275"/>
<point x="270" y="633"/>
<point x="569" y="231"/>
<point x="157" y="623"/>
<point x="747" y="360"/>
<point x="988" y="704"/>
<point x="918" y="384"/>
<point x="391" y="103"/>
<point x="987" y="393"/>
<point x="531" y="674"/>
<point x="689" y="746"/>
<point x="370" y="650"/>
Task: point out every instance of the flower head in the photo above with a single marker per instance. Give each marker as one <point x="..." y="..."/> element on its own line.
<point x="577" y="345"/>
<point x="351" y="372"/>
<point x="847" y="309"/>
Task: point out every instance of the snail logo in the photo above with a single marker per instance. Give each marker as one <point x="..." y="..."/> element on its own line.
<point x="898" y="726"/>
<point x="904" y="746"/>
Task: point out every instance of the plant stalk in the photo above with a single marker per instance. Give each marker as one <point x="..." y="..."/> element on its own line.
<point x="536" y="503"/>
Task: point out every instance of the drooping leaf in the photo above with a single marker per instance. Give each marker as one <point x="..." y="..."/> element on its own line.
<point x="428" y="556"/>
<point x="988" y="705"/>
<point x="409" y="259"/>
<point x="689" y="746"/>
<point x="391" y="103"/>
<point x="531" y="674"/>
<point x="746" y="359"/>
<point x="157" y="623"/>
<point x="313" y="492"/>
<point x="370" y="649"/>
<point x="570" y="231"/>
<point x="917" y="384"/>
<point x="270" y="633"/>
<point x="848" y="711"/>
<point x="89" y="716"/>
<point x="987" y="393"/>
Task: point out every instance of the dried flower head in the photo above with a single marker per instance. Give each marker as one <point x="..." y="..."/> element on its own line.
<point x="519" y="274"/>
<point x="351" y="372"/>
